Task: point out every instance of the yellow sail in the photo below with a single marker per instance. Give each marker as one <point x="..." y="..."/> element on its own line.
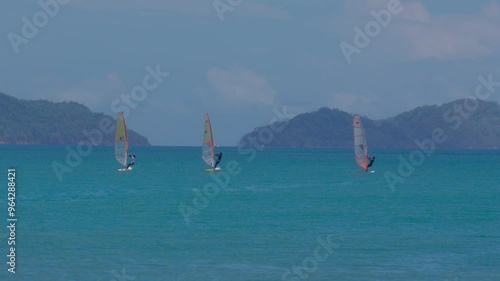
<point x="121" y="140"/>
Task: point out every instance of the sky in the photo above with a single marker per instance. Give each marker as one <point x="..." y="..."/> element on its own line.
<point x="245" y="61"/>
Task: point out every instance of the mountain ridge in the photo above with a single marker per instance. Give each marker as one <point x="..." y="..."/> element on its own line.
<point x="467" y="123"/>
<point x="47" y="122"/>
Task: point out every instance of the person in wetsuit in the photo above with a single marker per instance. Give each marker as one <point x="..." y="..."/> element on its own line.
<point x="370" y="162"/>
<point x="132" y="161"/>
<point x="219" y="157"/>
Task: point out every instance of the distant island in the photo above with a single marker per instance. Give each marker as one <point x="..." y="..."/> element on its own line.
<point x="46" y="122"/>
<point x="467" y="124"/>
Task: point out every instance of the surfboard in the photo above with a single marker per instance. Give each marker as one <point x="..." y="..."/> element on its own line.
<point x="125" y="169"/>
<point x="216" y="169"/>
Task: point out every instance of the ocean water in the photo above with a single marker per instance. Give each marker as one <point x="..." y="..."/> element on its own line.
<point x="275" y="214"/>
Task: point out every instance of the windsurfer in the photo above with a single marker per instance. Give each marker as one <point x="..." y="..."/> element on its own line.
<point x="132" y="160"/>
<point x="219" y="157"/>
<point x="370" y="163"/>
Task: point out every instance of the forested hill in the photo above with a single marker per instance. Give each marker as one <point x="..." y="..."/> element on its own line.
<point x="464" y="127"/>
<point x="45" y="122"/>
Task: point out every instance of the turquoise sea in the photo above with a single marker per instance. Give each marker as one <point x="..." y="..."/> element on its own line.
<point x="286" y="214"/>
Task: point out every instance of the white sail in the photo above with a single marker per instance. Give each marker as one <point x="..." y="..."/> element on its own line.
<point x="207" y="153"/>
<point x="360" y="145"/>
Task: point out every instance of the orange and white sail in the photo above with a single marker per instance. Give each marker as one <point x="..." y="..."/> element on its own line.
<point x="360" y="145"/>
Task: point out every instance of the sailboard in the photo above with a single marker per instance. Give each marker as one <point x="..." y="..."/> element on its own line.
<point x="360" y="145"/>
<point x="121" y="142"/>
<point x="125" y="169"/>
<point x="212" y="169"/>
<point x="207" y="152"/>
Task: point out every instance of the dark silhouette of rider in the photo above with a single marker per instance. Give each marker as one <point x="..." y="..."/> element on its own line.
<point x="132" y="160"/>
<point x="370" y="163"/>
<point x="219" y="157"/>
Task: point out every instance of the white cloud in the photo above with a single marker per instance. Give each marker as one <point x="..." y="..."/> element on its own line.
<point x="415" y="11"/>
<point x="442" y="42"/>
<point x="492" y="10"/>
<point x="415" y="34"/>
<point x="239" y="85"/>
<point x="447" y="37"/>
